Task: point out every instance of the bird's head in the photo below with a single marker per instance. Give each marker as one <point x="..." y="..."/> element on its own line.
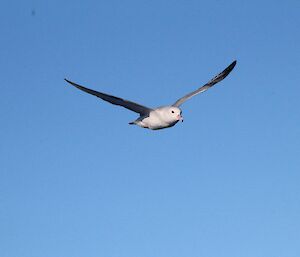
<point x="173" y="114"/>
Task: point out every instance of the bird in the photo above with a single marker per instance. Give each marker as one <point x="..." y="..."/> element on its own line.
<point x="160" y="117"/>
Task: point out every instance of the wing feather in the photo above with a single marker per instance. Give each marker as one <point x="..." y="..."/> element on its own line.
<point x="142" y="110"/>
<point x="208" y="85"/>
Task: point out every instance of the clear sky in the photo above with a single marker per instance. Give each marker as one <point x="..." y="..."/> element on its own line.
<point x="77" y="181"/>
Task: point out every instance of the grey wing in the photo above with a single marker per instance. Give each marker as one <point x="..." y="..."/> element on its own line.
<point x="114" y="100"/>
<point x="212" y="82"/>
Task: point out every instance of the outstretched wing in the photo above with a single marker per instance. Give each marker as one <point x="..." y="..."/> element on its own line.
<point x="212" y="82"/>
<point x="115" y="100"/>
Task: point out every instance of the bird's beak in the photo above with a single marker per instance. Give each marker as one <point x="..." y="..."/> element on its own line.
<point x="180" y="118"/>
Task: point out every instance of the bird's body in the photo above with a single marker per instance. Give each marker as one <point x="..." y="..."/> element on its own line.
<point x="161" y="117"/>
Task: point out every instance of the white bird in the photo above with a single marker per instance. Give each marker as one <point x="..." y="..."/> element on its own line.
<point x="161" y="117"/>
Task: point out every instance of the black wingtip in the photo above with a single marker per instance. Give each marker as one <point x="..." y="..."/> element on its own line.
<point x="67" y="80"/>
<point x="230" y="68"/>
<point x="71" y="83"/>
<point x="232" y="64"/>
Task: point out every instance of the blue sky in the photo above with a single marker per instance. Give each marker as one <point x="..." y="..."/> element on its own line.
<point x="76" y="180"/>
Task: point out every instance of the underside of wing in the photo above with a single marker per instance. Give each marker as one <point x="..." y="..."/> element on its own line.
<point x="142" y="110"/>
<point x="212" y="82"/>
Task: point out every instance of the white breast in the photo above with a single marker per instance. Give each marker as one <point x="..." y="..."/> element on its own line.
<point x="156" y="120"/>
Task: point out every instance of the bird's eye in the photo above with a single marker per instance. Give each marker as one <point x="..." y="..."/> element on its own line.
<point x="172" y="111"/>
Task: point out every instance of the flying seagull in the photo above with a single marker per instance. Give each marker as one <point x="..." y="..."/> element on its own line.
<point x="161" y="117"/>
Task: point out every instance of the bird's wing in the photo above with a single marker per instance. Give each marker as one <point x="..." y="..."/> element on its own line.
<point x="212" y="82"/>
<point x="115" y="100"/>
